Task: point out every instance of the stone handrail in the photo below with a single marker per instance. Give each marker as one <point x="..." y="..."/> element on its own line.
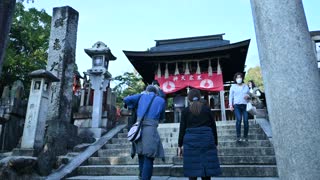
<point x="79" y="159"/>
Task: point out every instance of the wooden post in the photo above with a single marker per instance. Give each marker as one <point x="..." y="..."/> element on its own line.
<point x="83" y="94"/>
<point x="88" y="95"/>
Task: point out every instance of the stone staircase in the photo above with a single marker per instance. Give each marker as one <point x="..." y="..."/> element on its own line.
<point x="254" y="158"/>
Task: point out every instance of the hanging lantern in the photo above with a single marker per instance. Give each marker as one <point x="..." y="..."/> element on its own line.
<point x="198" y="68"/>
<point x="159" y="71"/>
<point x="210" y="68"/>
<point x="187" y="71"/>
<point x="176" y="72"/>
<point x="219" y="68"/>
<point x="166" y="72"/>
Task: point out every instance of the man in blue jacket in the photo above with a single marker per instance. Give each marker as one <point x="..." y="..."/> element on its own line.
<point x="149" y="146"/>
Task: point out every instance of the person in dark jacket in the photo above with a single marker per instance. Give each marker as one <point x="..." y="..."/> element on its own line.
<point x="149" y="146"/>
<point x="198" y="140"/>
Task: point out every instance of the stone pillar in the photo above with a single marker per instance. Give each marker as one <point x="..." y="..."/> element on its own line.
<point x="109" y="96"/>
<point x="97" y="100"/>
<point x="292" y="85"/>
<point x="6" y="14"/>
<point x="114" y="99"/>
<point x="61" y="60"/>
<point x="222" y="106"/>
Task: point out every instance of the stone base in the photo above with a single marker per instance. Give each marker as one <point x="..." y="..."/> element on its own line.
<point x="85" y="112"/>
<point x="86" y="123"/>
<point x="61" y="137"/>
<point x="91" y="132"/>
<point x="23" y="152"/>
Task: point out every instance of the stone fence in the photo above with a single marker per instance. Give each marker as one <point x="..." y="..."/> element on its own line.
<point x="83" y="104"/>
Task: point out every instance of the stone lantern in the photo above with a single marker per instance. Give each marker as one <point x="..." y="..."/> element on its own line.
<point x="35" y="121"/>
<point x="99" y="79"/>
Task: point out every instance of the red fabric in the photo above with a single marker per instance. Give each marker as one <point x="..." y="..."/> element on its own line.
<point x="202" y="81"/>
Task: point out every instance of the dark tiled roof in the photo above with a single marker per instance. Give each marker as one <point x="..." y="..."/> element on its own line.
<point x="191" y="43"/>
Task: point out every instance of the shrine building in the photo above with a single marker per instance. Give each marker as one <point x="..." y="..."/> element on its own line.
<point x="207" y="63"/>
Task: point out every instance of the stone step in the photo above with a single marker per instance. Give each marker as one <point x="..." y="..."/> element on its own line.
<point x="220" y="138"/>
<point x="170" y="133"/>
<point x="224" y="160"/>
<point x="133" y="178"/>
<point x="243" y="151"/>
<point x="238" y="160"/>
<point x="251" y="143"/>
<point x="237" y="171"/>
<point x="219" y="128"/>
<point x="220" y="125"/>
<point x="177" y="170"/>
<point x="233" y="122"/>
<point x="72" y="154"/>
<point x="162" y="178"/>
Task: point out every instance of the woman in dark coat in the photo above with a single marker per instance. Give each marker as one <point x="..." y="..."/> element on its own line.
<point x="198" y="140"/>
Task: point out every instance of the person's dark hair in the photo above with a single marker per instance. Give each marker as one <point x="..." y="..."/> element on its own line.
<point x="253" y="84"/>
<point x="152" y="88"/>
<point x="194" y="97"/>
<point x="155" y="82"/>
<point x="237" y="74"/>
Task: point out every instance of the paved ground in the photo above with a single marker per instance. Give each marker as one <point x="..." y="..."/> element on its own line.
<point x="165" y="178"/>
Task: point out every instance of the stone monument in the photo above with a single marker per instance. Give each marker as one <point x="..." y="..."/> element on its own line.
<point x="34" y="126"/>
<point x="292" y="83"/>
<point x="61" y="135"/>
<point x="61" y="61"/>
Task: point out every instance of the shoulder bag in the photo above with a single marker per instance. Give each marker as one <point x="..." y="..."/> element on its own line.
<point x="134" y="133"/>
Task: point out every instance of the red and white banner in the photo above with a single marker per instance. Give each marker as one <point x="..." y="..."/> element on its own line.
<point x="199" y="81"/>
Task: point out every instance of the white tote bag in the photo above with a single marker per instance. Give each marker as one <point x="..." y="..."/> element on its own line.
<point x="251" y="109"/>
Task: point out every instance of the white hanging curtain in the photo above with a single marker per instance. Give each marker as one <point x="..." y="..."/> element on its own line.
<point x="210" y="68"/>
<point x="198" y="68"/>
<point x="166" y="72"/>
<point x="219" y="68"/>
<point x="159" y="71"/>
<point x="187" y="71"/>
<point x="176" y="72"/>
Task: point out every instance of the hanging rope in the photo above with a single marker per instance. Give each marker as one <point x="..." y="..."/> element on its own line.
<point x="187" y="71"/>
<point x="176" y="72"/>
<point x="166" y="72"/>
<point x="210" y="68"/>
<point x="159" y="71"/>
<point x="198" y="68"/>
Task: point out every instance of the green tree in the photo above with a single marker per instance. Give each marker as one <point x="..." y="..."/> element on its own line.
<point x="27" y="47"/>
<point x="255" y="75"/>
<point x="127" y="84"/>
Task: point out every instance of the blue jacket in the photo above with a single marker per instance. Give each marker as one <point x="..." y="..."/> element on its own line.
<point x="142" y="100"/>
